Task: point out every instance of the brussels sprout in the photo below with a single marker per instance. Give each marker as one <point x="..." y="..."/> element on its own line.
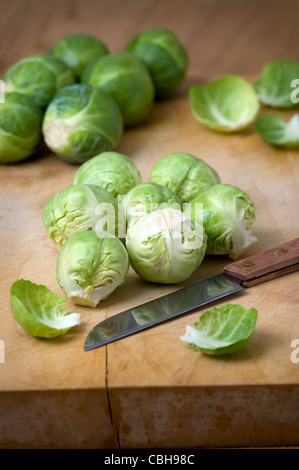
<point x="274" y="130"/>
<point x="186" y="175"/>
<point x="165" y="246"/>
<point x="163" y="55"/>
<point x="20" y="127"/>
<point x="78" y="50"/>
<point x="228" y="104"/>
<point x="273" y="87"/>
<point x="90" y="266"/>
<point x="38" y="310"/>
<point x="127" y="80"/>
<point x="148" y="197"/>
<point x="113" y="171"/>
<point x="222" y="330"/>
<point x="39" y="77"/>
<point x="81" y="122"/>
<point x="228" y="216"/>
<point x="79" y="208"/>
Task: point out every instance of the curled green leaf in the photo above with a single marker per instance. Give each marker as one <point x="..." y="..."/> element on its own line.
<point x="222" y="330"/>
<point x="274" y="86"/>
<point x="226" y="105"/>
<point x="39" y="310"/>
<point x="274" y="130"/>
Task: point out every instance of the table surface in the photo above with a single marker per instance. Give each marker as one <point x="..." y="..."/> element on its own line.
<point x="153" y="366"/>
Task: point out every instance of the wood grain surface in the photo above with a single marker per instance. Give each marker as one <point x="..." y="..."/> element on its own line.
<point x="151" y="389"/>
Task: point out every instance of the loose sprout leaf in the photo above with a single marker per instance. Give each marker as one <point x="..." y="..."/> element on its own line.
<point x="274" y="86"/>
<point x="274" y="130"/>
<point x="39" y="310"/>
<point x="228" y="104"/>
<point x="222" y="330"/>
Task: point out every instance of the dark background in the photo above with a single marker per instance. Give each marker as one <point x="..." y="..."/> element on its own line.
<point x="232" y="36"/>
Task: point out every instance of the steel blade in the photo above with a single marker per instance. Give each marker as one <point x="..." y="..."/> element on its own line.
<point x="161" y="309"/>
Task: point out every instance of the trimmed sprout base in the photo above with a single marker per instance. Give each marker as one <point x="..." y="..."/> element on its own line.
<point x="90" y="266"/>
<point x="228" y="217"/>
<point x="81" y="122"/>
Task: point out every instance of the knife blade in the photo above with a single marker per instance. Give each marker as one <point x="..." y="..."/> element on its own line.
<point x="278" y="261"/>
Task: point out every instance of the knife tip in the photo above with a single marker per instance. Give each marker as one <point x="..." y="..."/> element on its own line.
<point x="89" y="347"/>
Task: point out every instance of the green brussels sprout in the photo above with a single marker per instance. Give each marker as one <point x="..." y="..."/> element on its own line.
<point x="165" y="246"/>
<point x="113" y="171"/>
<point x="228" y="104"/>
<point x="81" y="122"/>
<point x="127" y="80"/>
<point x="20" y="127"/>
<point x="228" y="216"/>
<point x="163" y="55"/>
<point x="39" y="77"/>
<point x="79" y="208"/>
<point x="90" y="266"/>
<point x="145" y="198"/>
<point x="78" y="50"/>
<point x="186" y="175"/>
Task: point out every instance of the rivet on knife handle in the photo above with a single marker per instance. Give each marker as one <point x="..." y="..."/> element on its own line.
<point x="280" y="260"/>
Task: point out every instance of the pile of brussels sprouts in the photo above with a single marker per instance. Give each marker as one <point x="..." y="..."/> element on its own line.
<point x="108" y="219"/>
<point x="78" y="97"/>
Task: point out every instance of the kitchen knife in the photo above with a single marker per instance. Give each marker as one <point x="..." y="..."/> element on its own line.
<point x="235" y="277"/>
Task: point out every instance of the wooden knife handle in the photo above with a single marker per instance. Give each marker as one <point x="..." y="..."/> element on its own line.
<point x="282" y="259"/>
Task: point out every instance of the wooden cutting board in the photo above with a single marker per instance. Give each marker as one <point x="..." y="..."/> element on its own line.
<point x="151" y="389"/>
